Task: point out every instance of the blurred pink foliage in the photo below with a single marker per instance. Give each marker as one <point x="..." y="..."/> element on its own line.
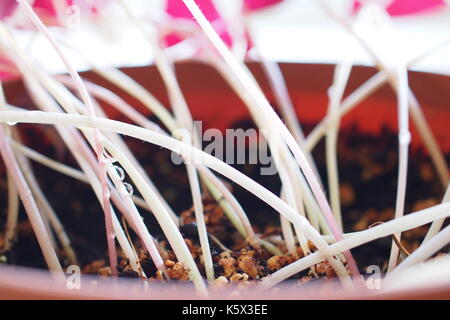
<point x="259" y="4"/>
<point x="7" y="8"/>
<point x="405" y="7"/>
<point x="177" y="9"/>
<point x="49" y="14"/>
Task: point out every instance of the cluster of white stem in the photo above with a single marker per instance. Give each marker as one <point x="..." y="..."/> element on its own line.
<point x="96" y="144"/>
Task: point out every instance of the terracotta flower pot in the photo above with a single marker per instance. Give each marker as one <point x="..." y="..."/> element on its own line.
<point x="213" y="102"/>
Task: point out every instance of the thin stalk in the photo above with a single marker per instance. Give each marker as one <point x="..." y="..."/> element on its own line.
<point x="49" y="163"/>
<point x="45" y="206"/>
<point x="129" y="85"/>
<point x="200" y="219"/>
<point x="12" y="215"/>
<point x="71" y="138"/>
<point x="13" y="197"/>
<point x="123" y="202"/>
<point x="31" y="208"/>
<point x="136" y="221"/>
<point x="279" y="88"/>
<point x="236" y="215"/>
<point x="286" y="230"/>
<point x="152" y="249"/>
<point x="437" y="225"/>
<point x="170" y="229"/>
<point x="288" y="191"/>
<point x="431" y="144"/>
<point x="126" y="109"/>
<point x="220" y="192"/>
<point x="291" y="166"/>
<point x="404" y="138"/>
<point x="418" y="117"/>
<point x="401" y="224"/>
<point x="114" y="101"/>
<point x="342" y="72"/>
<point x="425" y="251"/>
<point x="184" y="119"/>
<point x="187" y="151"/>
<point x="242" y="74"/>
<point x="62" y="168"/>
<point x="98" y="149"/>
<point x="353" y="99"/>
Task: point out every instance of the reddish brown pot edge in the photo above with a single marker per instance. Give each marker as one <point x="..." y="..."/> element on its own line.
<point x="25" y="283"/>
<point x="212" y="101"/>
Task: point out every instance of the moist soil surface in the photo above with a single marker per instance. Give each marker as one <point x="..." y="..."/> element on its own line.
<point x="368" y="166"/>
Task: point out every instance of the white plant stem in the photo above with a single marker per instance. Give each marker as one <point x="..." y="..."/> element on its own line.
<point x="288" y="192"/>
<point x="236" y="215"/>
<point x="124" y="202"/>
<point x="299" y="183"/>
<point x="286" y="229"/>
<point x="30" y="207"/>
<point x="336" y="92"/>
<point x="279" y="88"/>
<point x="200" y="219"/>
<point x="425" y="251"/>
<point x="71" y="138"/>
<point x="185" y="120"/>
<point x="47" y="209"/>
<point x="187" y="151"/>
<point x="50" y="163"/>
<point x="416" y="113"/>
<point x="420" y="122"/>
<point x="404" y="138"/>
<point x="132" y="215"/>
<point x="268" y="113"/>
<point x="260" y="122"/>
<point x="231" y="207"/>
<point x="87" y="101"/>
<point x="357" y="96"/>
<point x="114" y="101"/>
<point x="300" y="188"/>
<point x="437" y="225"/>
<point x="124" y="82"/>
<point x="12" y="215"/>
<point x="126" y="109"/>
<point x="401" y="224"/>
<point x="170" y="229"/>
<point x="430" y="142"/>
<point x="315" y="216"/>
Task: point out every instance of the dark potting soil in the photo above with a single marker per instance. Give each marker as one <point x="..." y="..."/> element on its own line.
<point x="368" y="180"/>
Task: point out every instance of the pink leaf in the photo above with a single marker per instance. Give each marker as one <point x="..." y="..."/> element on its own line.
<point x="177" y="9"/>
<point x="405" y="7"/>
<point x="7" y="7"/>
<point x="259" y="4"/>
